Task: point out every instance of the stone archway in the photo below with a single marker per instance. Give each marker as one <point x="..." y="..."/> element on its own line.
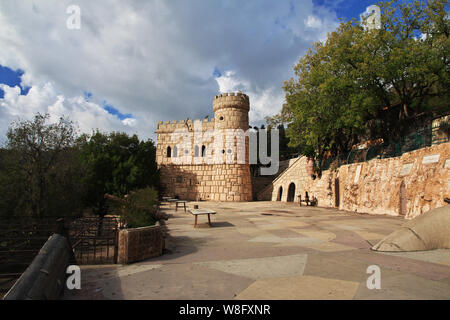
<point x="280" y="193"/>
<point x="291" y="193"/>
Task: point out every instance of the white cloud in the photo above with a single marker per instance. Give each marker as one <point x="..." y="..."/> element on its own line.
<point x="129" y="122"/>
<point x="313" y="22"/>
<point x="88" y="115"/>
<point x="152" y="59"/>
<point x="263" y="101"/>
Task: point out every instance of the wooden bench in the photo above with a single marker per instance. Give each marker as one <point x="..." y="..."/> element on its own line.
<point x="308" y="202"/>
<point x="172" y="200"/>
<point x="197" y="212"/>
<point x="180" y="202"/>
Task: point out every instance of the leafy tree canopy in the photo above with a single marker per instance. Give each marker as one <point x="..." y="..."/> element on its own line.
<point x="116" y="164"/>
<point x="344" y="86"/>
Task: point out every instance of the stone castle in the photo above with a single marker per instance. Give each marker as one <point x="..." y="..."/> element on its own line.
<point x="187" y="155"/>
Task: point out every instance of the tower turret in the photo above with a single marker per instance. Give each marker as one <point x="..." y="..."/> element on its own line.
<point x="231" y="111"/>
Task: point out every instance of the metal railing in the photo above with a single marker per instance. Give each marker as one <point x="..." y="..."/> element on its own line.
<point x="417" y="140"/>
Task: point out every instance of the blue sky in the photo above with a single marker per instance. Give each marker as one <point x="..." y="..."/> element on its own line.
<point x="135" y="63"/>
<point x="11" y="78"/>
<point x="346" y="9"/>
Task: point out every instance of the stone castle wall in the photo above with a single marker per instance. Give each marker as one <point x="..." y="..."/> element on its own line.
<point x="204" y="166"/>
<point x="221" y="182"/>
<point x="409" y="185"/>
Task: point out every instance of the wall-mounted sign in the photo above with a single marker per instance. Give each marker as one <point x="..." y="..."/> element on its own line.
<point x="431" y="159"/>
<point x="358" y="172"/>
<point x="406" y="169"/>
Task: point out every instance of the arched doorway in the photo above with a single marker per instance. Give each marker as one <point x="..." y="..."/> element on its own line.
<point x="280" y="193"/>
<point x="291" y="192"/>
<point x="402" y="209"/>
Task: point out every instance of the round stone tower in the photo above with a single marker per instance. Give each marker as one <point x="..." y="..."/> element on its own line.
<point x="231" y="111"/>
<point x="231" y="114"/>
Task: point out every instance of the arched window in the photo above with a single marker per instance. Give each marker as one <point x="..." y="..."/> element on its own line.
<point x="175" y="152"/>
<point x="280" y="194"/>
<point x="196" y="151"/>
<point x="169" y="152"/>
<point x="203" y="151"/>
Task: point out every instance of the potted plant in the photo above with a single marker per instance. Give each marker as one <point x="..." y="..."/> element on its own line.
<point x="140" y="234"/>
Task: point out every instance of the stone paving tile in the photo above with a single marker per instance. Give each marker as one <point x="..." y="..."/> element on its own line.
<point x="434" y="256"/>
<point x="349" y="266"/>
<point x="286" y="241"/>
<point x="428" y="270"/>
<point x="293" y="253"/>
<point x="330" y="247"/>
<point x="405" y="286"/>
<point x="286" y="233"/>
<point x="300" y="288"/>
<point x="262" y="268"/>
<point x="318" y="234"/>
<point x="351" y="239"/>
<point x="370" y="235"/>
<point x="193" y="282"/>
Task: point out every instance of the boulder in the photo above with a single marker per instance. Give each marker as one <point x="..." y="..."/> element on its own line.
<point x="428" y="231"/>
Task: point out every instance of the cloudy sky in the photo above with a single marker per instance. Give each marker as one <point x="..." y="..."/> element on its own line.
<point x="133" y="63"/>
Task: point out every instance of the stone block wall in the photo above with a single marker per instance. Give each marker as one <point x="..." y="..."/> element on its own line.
<point x="226" y="182"/>
<point x="409" y="185"/>
<point x="295" y="174"/>
<point x="138" y="244"/>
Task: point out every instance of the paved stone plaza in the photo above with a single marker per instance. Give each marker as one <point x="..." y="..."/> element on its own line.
<point x="272" y="250"/>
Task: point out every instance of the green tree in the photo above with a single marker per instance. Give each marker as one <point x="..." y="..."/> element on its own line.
<point x="344" y="86"/>
<point x="32" y="160"/>
<point x="116" y="164"/>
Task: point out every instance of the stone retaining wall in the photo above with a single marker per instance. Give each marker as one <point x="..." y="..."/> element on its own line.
<point x="409" y="185"/>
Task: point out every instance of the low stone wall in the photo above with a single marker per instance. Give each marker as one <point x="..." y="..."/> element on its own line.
<point x="409" y="185"/>
<point x="138" y="244"/>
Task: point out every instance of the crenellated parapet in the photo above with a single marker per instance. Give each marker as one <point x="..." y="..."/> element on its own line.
<point x="237" y="100"/>
<point x="170" y="126"/>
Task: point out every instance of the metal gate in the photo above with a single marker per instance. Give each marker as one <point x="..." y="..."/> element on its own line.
<point x="21" y="238"/>
<point x="94" y="239"/>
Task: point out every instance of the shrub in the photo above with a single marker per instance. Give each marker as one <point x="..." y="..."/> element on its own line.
<point x="138" y="209"/>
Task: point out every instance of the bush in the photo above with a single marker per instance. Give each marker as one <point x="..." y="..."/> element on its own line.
<point x="138" y="209"/>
